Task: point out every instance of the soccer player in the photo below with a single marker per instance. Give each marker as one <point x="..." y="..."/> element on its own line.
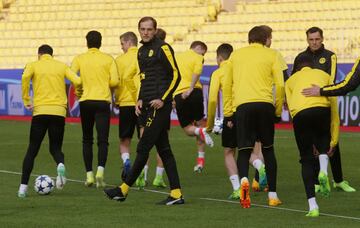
<point x="126" y="95"/>
<point x="158" y="181"/>
<point x="228" y="136"/>
<point x="325" y="60"/>
<point x="159" y="78"/>
<point x="98" y="73"/>
<point x="189" y="98"/>
<point x="49" y="110"/>
<point x="316" y="125"/>
<point x="253" y="71"/>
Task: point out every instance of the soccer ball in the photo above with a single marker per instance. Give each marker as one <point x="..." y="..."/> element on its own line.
<point x="44" y="185"/>
<point x="218" y="126"/>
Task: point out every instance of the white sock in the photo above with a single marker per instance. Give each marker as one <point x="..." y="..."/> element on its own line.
<point x="146" y="168"/>
<point x="100" y="170"/>
<point x="159" y="171"/>
<point x="197" y="131"/>
<point x="201" y="154"/>
<point x="235" y="181"/>
<point x="257" y="164"/>
<point x="244" y="179"/>
<point x="125" y="156"/>
<point x="23" y="188"/>
<point x="272" y="195"/>
<point x="324" y="161"/>
<point x="312" y="204"/>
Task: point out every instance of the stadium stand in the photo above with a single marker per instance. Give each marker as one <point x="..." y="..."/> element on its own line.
<point x="25" y="24"/>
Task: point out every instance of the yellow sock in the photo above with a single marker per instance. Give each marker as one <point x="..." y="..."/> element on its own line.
<point x="175" y="193"/>
<point x="124" y="189"/>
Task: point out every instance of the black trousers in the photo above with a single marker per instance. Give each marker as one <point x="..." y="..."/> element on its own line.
<point x="39" y="125"/>
<point x="98" y="113"/>
<point x="155" y="133"/>
<point x="311" y="128"/>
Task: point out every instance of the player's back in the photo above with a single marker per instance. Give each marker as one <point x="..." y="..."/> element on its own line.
<point x="94" y="67"/>
<point x="301" y="80"/>
<point x="48" y="81"/>
<point x="189" y="63"/>
<point x="254" y="70"/>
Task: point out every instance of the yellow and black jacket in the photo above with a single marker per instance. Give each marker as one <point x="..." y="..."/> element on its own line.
<point x="323" y="59"/>
<point x="159" y="72"/>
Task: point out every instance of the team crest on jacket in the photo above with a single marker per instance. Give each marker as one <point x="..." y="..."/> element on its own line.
<point x="322" y="60"/>
<point x="151" y="53"/>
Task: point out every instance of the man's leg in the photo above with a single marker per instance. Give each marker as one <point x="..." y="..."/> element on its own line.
<point x="87" y="115"/>
<point x="37" y="133"/>
<point x="102" y="121"/>
<point x="56" y="135"/>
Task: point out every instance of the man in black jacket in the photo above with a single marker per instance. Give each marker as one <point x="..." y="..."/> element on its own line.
<point x="325" y="60"/>
<point x="159" y="78"/>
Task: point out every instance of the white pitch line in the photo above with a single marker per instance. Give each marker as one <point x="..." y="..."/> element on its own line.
<point x="209" y="199"/>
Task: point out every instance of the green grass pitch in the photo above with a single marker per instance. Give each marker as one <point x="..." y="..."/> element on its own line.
<point x="79" y="206"/>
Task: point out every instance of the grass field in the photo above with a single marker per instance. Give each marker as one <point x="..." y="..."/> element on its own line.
<point x="205" y="193"/>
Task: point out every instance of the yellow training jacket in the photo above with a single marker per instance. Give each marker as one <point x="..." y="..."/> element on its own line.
<point x="126" y="93"/>
<point x="189" y="63"/>
<point x="254" y="71"/>
<point x="298" y="102"/>
<point x="98" y="73"/>
<point x="48" y="81"/>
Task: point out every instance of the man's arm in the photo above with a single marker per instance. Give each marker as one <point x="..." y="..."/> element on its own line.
<point x="25" y="85"/>
<point x="71" y="76"/>
<point x="213" y="100"/>
<point x="335" y="122"/>
<point x="114" y="76"/>
<point x="167" y="58"/>
<point x="227" y="89"/>
<point x="350" y="83"/>
<point x="333" y="68"/>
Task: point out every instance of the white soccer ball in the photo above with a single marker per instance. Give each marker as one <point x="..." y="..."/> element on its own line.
<point x="44" y="185"/>
<point x="218" y="126"/>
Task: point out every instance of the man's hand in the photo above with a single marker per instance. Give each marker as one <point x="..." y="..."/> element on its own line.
<point x="331" y="151"/>
<point x="29" y="107"/>
<point x="315" y="152"/>
<point x="186" y="94"/>
<point x="228" y="121"/>
<point x="157" y="103"/>
<point x="313" y="91"/>
<point x="138" y="107"/>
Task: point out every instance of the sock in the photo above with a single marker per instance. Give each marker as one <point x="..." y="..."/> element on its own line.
<point x="175" y="193"/>
<point x="272" y="195"/>
<point x="100" y="171"/>
<point x="125" y="156"/>
<point x="146" y="168"/>
<point x="197" y="131"/>
<point x="324" y="160"/>
<point x="89" y="175"/>
<point x="312" y="204"/>
<point x="23" y="188"/>
<point x="235" y="181"/>
<point x="257" y="164"/>
<point x="159" y="171"/>
<point x="244" y="179"/>
<point x="124" y="188"/>
<point x="61" y="165"/>
<point x="201" y="154"/>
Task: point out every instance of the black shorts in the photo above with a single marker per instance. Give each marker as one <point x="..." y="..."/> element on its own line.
<point x="255" y="122"/>
<point x="228" y="135"/>
<point x="127" y="122"/>
<point x="312" y="127"/>
<point x="191" y="109"/>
